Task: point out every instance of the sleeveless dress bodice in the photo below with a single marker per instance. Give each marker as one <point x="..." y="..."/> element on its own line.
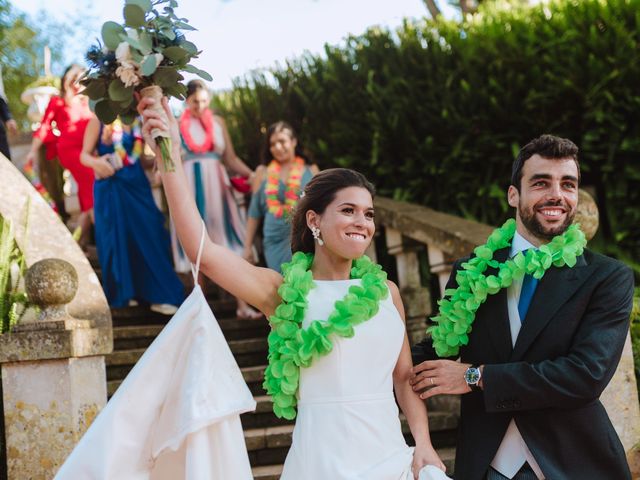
<point x="347" y="426"/>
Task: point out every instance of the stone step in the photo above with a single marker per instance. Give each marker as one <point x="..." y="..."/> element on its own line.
<point x="141" y="315"/>
<point x="273" y="472"/>
<point x="247" y="352"/>
<point x="267" y="472"/>
<point x="269" y="446"/>
<point x="441" y="423"/>
<point x="128" y="337"/>
<point x="253" y="376"/>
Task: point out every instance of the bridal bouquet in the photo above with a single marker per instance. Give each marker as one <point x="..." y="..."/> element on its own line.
<point x="145" y="55"/>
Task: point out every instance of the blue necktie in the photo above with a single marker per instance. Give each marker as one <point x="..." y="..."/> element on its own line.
<point x="529" y="284"/>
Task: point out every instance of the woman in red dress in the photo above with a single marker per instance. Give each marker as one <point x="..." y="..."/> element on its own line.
<point x="70" y="112"/>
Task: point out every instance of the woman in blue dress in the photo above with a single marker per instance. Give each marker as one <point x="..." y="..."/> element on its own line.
<point x="133" y="244"/>
<point x="276" y="190"/>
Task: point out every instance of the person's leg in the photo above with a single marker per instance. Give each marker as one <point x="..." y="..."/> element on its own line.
<point x="85" y="222"/>
<point x="4" y="144"/>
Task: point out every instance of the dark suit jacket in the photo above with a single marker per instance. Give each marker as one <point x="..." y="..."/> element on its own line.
<point x="550" y="382"/>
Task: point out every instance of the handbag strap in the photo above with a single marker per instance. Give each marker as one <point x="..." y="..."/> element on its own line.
<point x="195" y="269"/>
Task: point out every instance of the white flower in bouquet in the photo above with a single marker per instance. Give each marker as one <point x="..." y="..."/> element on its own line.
<point x="128" y="73"/>
<point x="123" y="53"/>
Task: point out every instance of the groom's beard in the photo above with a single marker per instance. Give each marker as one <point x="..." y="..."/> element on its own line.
<point x="531" y="222"/>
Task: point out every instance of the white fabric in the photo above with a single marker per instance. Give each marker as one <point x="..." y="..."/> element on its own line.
<point x="513" y="451"/>
<point x="432" y="473"/>
<point x="176" y="415"/>
<point x="347" y="426"/>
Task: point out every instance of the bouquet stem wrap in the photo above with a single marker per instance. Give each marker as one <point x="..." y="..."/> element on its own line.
<point x="162" y="137"/>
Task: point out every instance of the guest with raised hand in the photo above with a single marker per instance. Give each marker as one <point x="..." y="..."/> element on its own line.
<point x="133" y="244"/>
<point x="70" y="111"/>
<point x="329" y="311"/>
<point x="276" y="190"/>
<point x="208" y="152"/>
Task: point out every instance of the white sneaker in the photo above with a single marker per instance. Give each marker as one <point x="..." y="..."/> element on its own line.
<point x="133" y="303"/>
<point x="163" y="308"/>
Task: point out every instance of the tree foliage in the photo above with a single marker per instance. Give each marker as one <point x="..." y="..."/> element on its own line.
<point x="22" y="41"/>
<point x="435" y="112"/>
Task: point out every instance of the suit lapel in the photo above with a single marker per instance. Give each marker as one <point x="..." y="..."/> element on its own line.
<point x="497" y="314"/>
<point x="556" y="287"/>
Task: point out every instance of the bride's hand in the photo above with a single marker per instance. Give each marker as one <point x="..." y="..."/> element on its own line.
<point x="154" y="119"/>
<point x="425" y="455"/>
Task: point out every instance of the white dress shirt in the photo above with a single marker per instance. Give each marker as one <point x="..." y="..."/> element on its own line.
<point x="513" y="451"/>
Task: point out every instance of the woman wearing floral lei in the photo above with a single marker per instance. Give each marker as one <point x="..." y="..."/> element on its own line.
<point x="329" y="311"/>
<point x="132" y="241"/>
<point x="276" y="190"/>
<point x="208" y="152"/>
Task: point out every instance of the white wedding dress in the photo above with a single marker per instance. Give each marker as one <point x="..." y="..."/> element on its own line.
<point x="347" y="426"/>
<point x="176" y="415"/>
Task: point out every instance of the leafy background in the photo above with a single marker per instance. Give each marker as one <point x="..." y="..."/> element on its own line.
<point x="435" y="112"/>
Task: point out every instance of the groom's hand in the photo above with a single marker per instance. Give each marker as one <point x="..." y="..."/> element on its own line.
<point x="438" y="377"/>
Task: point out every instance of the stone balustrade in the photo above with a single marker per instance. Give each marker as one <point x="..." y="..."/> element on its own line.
<point x="52" y="367"/>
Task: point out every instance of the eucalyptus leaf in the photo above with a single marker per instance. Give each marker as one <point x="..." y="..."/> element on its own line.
<point x="116" y="107"/>
<point x="111" y="34"/>
<point x="145" y="5"/>
<point x="136" y="56"/>
<point x="128" y="117"/>
<point x="165" y="77"/>
<point x="149" y="65"/>
<point x="146" y="43"/>
<point x="169" y="33"/>
<point x="104" y="112"/>
<point x="189" y="47"/>
<point x="118" y="92"/>
<point x="175" y="53"/>
<point x="95" y="90"/>
<point x="134" y="16"/>
<point x="135" y="43"/>
<point x="184" y="26"/>
<point x="201" y="73"/>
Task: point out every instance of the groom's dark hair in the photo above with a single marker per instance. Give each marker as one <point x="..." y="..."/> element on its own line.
<point x="547" y="146"/>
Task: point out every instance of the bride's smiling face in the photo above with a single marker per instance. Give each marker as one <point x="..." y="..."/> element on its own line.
<point x="347" y="224"/>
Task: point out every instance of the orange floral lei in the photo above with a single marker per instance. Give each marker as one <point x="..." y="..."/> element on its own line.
<point x="291" y="194"/>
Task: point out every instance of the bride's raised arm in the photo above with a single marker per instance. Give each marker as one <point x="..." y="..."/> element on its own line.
<point x="255" y="285"/>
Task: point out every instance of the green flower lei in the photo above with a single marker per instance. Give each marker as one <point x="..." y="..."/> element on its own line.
<point x="292" y="347"/>
<point x="458" y="307"/>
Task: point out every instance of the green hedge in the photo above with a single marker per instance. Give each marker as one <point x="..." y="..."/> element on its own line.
<point x="435" y="112"/>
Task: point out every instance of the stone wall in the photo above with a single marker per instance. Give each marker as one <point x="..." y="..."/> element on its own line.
<point x="52" y="368"/>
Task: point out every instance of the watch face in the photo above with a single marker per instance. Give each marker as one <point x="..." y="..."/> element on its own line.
<point x="472" y="376"/>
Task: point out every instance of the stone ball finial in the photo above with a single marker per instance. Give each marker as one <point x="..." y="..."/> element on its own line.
<point x="587" y="215"/>
<point x="50" y="282"/>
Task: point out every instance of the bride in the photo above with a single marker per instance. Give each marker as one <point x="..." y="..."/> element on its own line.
<point x="338" y="348"/>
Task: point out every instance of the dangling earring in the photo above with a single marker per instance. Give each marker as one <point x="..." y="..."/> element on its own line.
<point x="315" y="231"/>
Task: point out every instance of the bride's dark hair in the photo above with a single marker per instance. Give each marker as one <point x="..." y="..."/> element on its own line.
<point x="318" y="193"/>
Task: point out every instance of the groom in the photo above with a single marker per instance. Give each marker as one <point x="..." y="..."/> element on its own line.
<point x="540" y="352"/>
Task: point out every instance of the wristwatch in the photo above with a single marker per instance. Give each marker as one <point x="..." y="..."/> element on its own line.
<point x="472" y="377"/>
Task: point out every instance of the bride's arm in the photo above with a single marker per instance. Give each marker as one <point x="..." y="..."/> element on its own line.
<point x="256" y="286"/>
<point x="410" y="403"/>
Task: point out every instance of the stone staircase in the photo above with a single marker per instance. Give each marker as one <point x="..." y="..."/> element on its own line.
<point x="268" y="438"/>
